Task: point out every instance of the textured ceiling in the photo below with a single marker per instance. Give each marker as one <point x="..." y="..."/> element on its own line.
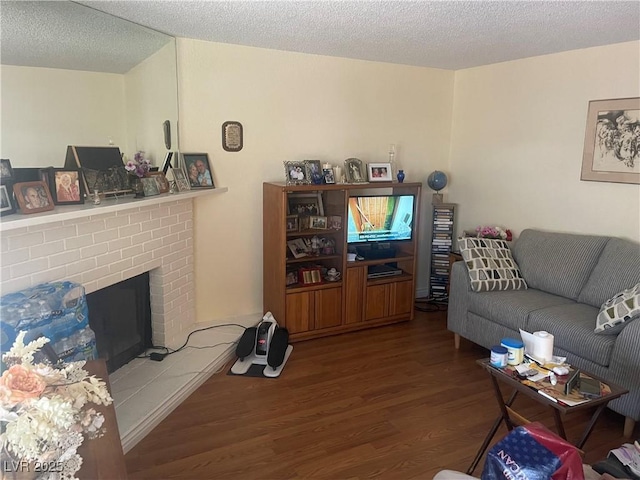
<point x="441" y="34"/>
<point x="67" y="35"/>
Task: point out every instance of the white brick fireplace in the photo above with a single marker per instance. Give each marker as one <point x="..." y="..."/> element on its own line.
<point x="103" y="245"/>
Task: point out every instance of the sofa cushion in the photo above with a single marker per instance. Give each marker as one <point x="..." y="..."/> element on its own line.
<point x="512" y="308"/>
<point x="490" y="265"/>
<point x="618" y="268"/>
<point x="618" y="311"/>
<point x="558" y="263"/>
<point x="572" y="327"/>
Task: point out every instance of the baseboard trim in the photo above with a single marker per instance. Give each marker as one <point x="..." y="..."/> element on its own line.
<point x="148" y="423"/>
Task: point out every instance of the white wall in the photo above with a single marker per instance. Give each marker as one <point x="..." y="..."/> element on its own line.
<point x="150" y="91"/>
<point x="293" y="107"/>
<point x="46" y="109"/>
<point x="518" y="137"/>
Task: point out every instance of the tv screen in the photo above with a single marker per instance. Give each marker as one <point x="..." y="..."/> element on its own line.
<point x="380" y="219"/>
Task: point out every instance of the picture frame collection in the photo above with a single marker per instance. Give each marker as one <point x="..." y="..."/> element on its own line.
<point x="312" y="172"/>
<point x="38" y="190"/>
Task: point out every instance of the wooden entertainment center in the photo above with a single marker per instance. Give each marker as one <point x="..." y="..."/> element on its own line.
<point x="310" y="304"/>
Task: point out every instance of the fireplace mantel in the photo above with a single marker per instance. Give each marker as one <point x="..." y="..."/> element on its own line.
<point x="109" y="205"/>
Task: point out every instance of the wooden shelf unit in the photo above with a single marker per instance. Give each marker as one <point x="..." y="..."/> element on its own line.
<point x="354" y="302"/>
<point x="442" y="238"/>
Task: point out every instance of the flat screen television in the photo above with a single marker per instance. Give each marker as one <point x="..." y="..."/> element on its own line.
<point x="378" y="219"/>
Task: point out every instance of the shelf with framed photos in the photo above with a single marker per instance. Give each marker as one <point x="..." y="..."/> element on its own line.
<point x="350" y="302"/>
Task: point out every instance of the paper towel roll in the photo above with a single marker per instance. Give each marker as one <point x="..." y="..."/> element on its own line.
<point x="543" y="345"/>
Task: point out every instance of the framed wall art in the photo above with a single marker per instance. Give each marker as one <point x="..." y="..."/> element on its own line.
<point x="612" y="141"/>
<point x="198" y="170"/>
<point x="354" y="171"/>
<point x="33" y="197"/>
<point x="295" y="173"/>
<point x="379" y="172"/>
<point x="232" y="134"/>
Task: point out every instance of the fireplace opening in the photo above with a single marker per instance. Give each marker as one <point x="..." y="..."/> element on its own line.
<point x="120" y="316"/>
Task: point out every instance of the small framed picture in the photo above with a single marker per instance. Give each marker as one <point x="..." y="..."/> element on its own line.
<point x="295" y="173"/>
<point x="329" y="176"/>
<point x="66" y="185"/>
<point x="353" y="171"/>
<point x="298" y="248"/>
<point x="6" y="172"/>
<point x="303" y="223"/>
<point x="150" y="186"/>
<point x="313" y="170"/>
<point x="379" y="172"/>
<point x="181" y="179"/>
<point x="198" y="170"/>
<point x="318" y="222"/>
<point x="305" y="203"/>
<point x="292" y="223"/>
<point x="161" y="180"/>
<point x="334" y="222"/>
<point x="33" y="197"/>
<point x="6" y="199"/>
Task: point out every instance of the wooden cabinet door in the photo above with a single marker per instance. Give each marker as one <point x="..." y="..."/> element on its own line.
<point x="354" y="296"/>
<point x="401" y="298"/>
<point x="328" y="308"/>
<point x="299" y="311"/>
<point x="377" y="302"/>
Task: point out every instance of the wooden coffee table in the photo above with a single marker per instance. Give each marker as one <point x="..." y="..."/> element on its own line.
<point x="511" y="417"/>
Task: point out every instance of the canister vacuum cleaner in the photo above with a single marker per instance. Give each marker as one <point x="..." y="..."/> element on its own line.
<point x="267" y="344"/>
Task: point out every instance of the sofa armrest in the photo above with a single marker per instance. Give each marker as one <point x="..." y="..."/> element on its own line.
<point x="625" y="359"/>
<point x="459" y="288"/>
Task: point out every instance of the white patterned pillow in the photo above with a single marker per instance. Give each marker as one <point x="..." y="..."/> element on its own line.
<point x="618" y="311"/>
<point x="490" y="265"/>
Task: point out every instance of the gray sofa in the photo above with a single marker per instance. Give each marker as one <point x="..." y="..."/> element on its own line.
<point x="569" y="277"/>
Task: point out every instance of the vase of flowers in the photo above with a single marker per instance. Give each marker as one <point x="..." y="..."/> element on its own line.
<point x="43" y="414"/>
<point x="137" y="168"/>
<point x="495" y="233"/>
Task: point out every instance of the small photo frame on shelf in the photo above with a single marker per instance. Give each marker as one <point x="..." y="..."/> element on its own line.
<point x="198" y="170"/>
<point x="150" y="186"/>
<point x="329" y="176"/>
<point x="66" y="185"/>
<point x="296" y="173"/>
<point x="7" y="206"/>
<point x="33" y="197"/>
<point x="313" y="169"/>
<point x="354" y="171"/>
<point x="292" y="223"/>
<point x="181" y="179"/>
<point x="379" y="172"/>
<point x="298" y="248"/>
<point x="318" y="222"/>
<point x="305" y="203"/>
<point x="303" y="223"/>
<point x="308" y="276"/>
<point x="161" y="180"/>
<point x="334" y="222"/>
<point x="6" y="172"/>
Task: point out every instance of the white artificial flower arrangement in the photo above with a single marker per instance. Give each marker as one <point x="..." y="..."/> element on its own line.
<point x="42" y="416"/>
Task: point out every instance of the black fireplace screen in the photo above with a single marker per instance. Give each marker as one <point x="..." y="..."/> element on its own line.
<point x="120" y="316"/>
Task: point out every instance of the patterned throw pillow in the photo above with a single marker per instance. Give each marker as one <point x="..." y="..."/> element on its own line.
<point x="490" y="265"/>
<point x="618" y="311"/>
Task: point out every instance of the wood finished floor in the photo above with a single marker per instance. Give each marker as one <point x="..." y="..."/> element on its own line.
<point x="395" y="402"/>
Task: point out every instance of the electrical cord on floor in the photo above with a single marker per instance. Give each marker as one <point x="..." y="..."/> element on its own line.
<point x="158" y="357"/>
<point x="430" y="304"/>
